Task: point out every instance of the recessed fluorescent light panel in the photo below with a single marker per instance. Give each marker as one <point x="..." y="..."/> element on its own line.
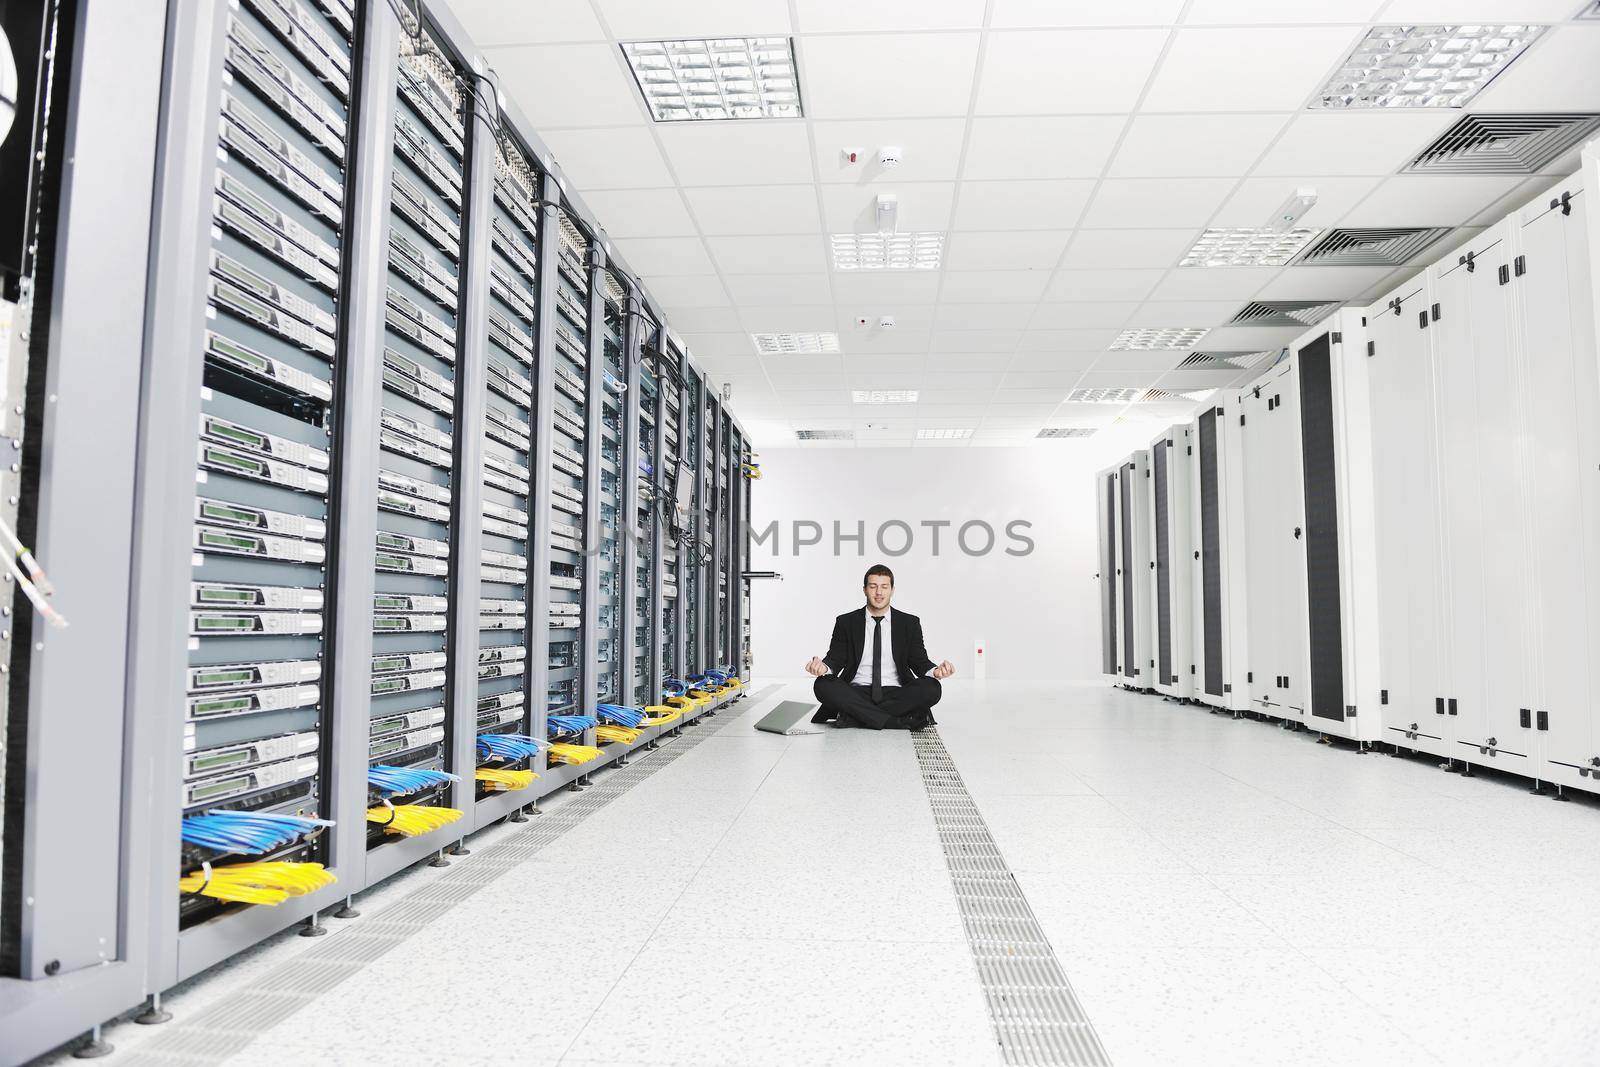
<point x="1148" y="340"/>
<point x="887" y="251"/>
<point x="1057" y="433"/>
<point x="944" y="433"/>
<point x="825" y="435"/>
<point x="787" y="344"/>
<point x="884" y="396"/>
<point x="722" y="78"/>
<point x="1246" y="248"/>
<point x="1424" y="66"/>
<point x="1103" y="396"/>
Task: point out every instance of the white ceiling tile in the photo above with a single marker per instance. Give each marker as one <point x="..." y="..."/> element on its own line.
<point x="1558" y="73"/>
<point x="568" y="85"/>
<point x="1351" y="142"/>
<point x="1070" y="147"/>
<point x="1194" y="145"/>
<point x="946" y="398"/>
<point x="640" y="212"/>
<point x="696" y="291"/>
<point x="1109" y="249"/>
<point x="1511" y="201"/>
<point x="720" y="344"/>
<point x="1430" y="200"/>
<point x="1029" y="407"/>
<point x="1070" y="363"/>
<point x="1064" y="71"/>
<point x="651" y="256"/>
<point x="962" y="380"/>
<point x="787" y="318"/>
<point x="1213" y="283"/>
<point x="1257" y="200"/>
<point x="1057" y="380"/>
<point x="1250" y="338"/>
<point x="1321" y="283"/>
<point x="1006" y="431"/>
<point x="930" y="150"/>
<point x="1021" y="205"/>
<point x="748" y="289"/>
<point x="1459" y="11"/>
<point x="897" y="341"/>
<point x="1005" y="250"/>
<point x="1085" y="340"/>
<point x="1141" y="203"/>
<point x="902" y="365"/>
<point x="1152" y="363"/>
<point x="907" y="317"/>
<point x="1197" y="379"/>
<point x="608" y="159"/>
<point x="1277" y="13"/>
<point x="1102" y="284"/>
<point x="978" y="286"/>
<point x="1119" y="379"/>
<point x="1082" y="315"/>
<point x="769" y="152"/>
<point x="921" y="206"/>
<point x="982" y="341"/>
<point x="848" y="16"/>
<point x="1244" y="69"/>
<point x="994" y="316"/>
<point x="686" y="19"/>
<point x="1047" y="13"/>
<point x="768" y="255"/>
<point x="753" y="209"/>
<point x="1186" y="312"/>
<point x="705" y="320"/>
<point x="885" y="289"/>
<point x="964" y="363"/>
<point x="887" y="74"/>
<point x="494" y="22"/>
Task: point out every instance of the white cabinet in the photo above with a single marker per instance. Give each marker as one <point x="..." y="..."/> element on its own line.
<point x="1267" y="439"/>
<point x="1171" y="554"/>
<point x="1131" y="543"/>
<point x="1108" y="579"/>
<point x="1217" y="535"/>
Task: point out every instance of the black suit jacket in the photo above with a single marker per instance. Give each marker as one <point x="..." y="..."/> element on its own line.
<point x="905" y="643"/>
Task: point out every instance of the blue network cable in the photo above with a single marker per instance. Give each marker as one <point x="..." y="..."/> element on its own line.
<point x="675" y="687"/>
<point x="571" y="724"/>
<point x="251" y="832"/>
<point x="621" y="714"/>
<point x="509" y="747"/>
<point x="397" y="780"/>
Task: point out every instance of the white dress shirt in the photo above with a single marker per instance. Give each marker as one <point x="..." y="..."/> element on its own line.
<point x="864" y="672"/>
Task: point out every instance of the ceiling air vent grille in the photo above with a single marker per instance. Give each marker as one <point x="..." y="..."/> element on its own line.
<point x="1591" y="12"/>
<point x="1392" y="247"/>
<point x="1058" y="432"/>
<point x="1504" y="144"/>
<point x="825" y="435"/>
<point x="1103" y="396"/>
<point x="1284" y="312"/>
<point x="1174" y="396"/>
<point x="1224" y="360"/>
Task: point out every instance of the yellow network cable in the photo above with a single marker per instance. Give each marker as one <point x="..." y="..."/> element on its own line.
<point x="688" y="702"/>
<point x="733" y="683"/>
<point x="562" y="752"/>
<point x="623" y="734"/>
<point x="661" y="714"/>
<point x="270" y="882"/>
<point x="500" y="780"/>
<point x="409" y="820"/>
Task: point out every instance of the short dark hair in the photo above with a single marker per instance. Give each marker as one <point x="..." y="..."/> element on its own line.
<point x="878" y="568"/>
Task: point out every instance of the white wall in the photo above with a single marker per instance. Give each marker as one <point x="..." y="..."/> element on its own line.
<point x="1038" y="613"/>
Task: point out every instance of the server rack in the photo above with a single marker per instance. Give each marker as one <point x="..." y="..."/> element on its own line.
<point x="1217" y="536"/>
<point x="1109" y="578"/>
<point x="1132" y="541"/>
<point x="350" y="325"/>
<point x="1171" y="578"/>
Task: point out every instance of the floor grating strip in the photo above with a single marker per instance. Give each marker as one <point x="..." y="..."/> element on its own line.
<point x="1036" y="1016"/>
<point x="223" y="1030"/>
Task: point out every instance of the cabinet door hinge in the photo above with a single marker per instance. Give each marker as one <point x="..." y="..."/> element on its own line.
<point x="1504" y="274"/>
<point x="1564" y="202"/>
<point x="1336" y="338"/>
<point x="1519" y="266"/>
<point x="1372" y="348"/>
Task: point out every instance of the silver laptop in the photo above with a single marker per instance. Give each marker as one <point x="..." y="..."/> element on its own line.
<point x="784" y="718"/>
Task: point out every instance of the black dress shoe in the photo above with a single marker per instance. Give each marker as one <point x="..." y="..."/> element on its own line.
<point x="824" y="715"/>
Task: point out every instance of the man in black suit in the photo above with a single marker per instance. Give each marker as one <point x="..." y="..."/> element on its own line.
<point x="875" y="675"/>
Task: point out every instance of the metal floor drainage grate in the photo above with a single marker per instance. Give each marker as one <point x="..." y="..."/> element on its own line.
<point x="225" y="1029"/>
<point x="1036" y="1015"/>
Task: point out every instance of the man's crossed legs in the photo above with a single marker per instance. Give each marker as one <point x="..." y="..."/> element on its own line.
<point x="902" y="707"/>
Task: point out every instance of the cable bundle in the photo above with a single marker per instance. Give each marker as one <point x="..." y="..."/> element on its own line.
<point x="571" y="724"/>
<point x="256" y="883"/>
<point x="250" y="832"/>
<point x="565" y="753"/>
<point x="621" y="714"/>
<point x="661" y="714"/>
<point x="397" y="781"/>
<point x="410" y="820"/>
<point x="674" y="687"/>
<point x="623" y="734"/>
<point x="499" y="781"/>
<point x="508" y="747"/>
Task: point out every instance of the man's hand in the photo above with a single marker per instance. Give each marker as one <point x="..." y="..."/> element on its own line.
<point x="816" y="668"/>
<point x="944" y="670"/>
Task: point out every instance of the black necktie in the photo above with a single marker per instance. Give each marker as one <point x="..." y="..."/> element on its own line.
<point x="877" y="659"/>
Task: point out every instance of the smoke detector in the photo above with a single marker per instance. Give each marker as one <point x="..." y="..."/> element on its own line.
<point x="889" y="156"/>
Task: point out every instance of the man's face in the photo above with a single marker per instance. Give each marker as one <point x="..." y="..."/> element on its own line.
<point x="879" y="590"/>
